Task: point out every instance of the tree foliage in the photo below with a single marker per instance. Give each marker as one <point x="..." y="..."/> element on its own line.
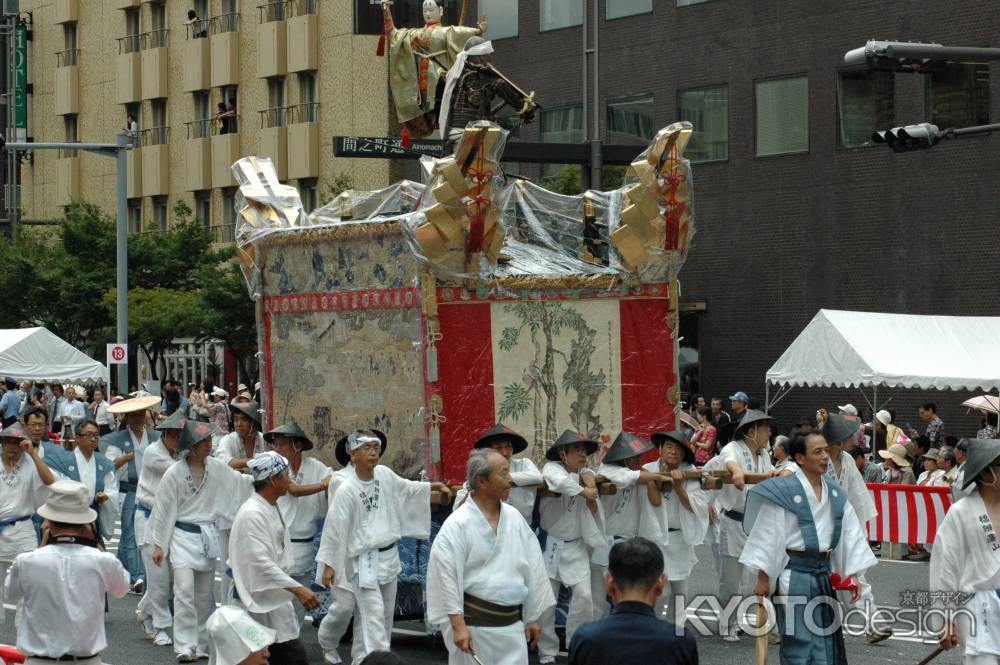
<point x="180" y="285"/>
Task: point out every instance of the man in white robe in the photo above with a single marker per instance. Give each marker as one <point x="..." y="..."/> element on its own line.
<point x="305" y="502"/>
<point x="965" y="559"/>
<point x="841" y="434"/>
<point x="24" y="479"/>
<point x="486" y="581"/>
<point x="342" y="605"/>
<point x="191" y="495"/>
<point x="236" y="449"/>
<point x="684" y="508"/>
<point x="153" y="612"/>
<point x="524" y="475"/>
<point x="747" y="454"/>
<point x="574" y="532"/>
<point x="629" y="512"/>
<point x="261" y="557"/>
<point x="801" y="530"/>
<point x="371" y="511"/>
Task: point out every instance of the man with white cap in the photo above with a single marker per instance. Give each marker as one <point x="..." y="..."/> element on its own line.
<point x="261" y="556"/>
<point x="371" y="511"/>
<point x="64" y="622"/>
<point x="235" y="449"/>
<point x="747" y="453"/>
<point x="966" y="559"/>
<point x="236" y="639"/>
<point x="486" y="581"/>
<point x="25" y="477"/>
<point x="191" y="495"/>
<point x="153" y="612"/>
<point x="342" y="606"/>
<point x="305" y="502"/>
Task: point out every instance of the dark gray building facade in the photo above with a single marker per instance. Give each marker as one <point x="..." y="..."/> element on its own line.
<point x="795" y="210"/>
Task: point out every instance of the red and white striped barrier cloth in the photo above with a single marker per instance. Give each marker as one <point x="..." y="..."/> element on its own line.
<point x="907" y="513"/>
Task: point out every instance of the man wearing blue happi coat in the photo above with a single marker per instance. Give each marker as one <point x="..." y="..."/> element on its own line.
<point x="804" y="539"/>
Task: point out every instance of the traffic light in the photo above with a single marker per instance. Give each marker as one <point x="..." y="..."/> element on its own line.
<point x="911" y="137"/>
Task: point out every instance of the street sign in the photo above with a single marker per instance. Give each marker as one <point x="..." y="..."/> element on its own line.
<point x="384" y="147"/>
<point x="117" y="354"/>
<point x="389" y="147"/>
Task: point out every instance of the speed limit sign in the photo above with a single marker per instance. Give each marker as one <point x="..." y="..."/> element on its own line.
<point x="117" y="354"/>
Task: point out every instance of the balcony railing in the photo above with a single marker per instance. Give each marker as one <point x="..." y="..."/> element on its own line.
<point x="67" y="58"/>
<point x="154" y="136"/>
<point x="223" y="232"/>
<point x="304" y="112"/>
<point x="303" y="7"/>
<point x="128" y="44"/>
<point x="199" y="129"/>
<point x="198" y="29"/>
<point x="278" y="10"/>
<point x="229" y="22"/>
<point x="273" y="117"/>
<point x="153" y="39"/>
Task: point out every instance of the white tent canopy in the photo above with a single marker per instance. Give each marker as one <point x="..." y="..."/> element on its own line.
<point x="855" y="349"/>
<point x="35" y="354"/>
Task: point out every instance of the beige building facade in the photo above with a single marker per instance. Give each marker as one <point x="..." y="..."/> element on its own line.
<point x="289" y="76"/>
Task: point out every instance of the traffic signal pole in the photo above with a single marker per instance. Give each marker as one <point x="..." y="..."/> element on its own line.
<point x="118" y="150"/>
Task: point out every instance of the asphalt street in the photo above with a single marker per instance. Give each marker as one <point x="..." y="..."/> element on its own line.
<point x="895" y="584"/>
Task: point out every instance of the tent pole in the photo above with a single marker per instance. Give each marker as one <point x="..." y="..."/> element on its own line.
<point x="874" y="409"/>
<point x="767" y="397"/>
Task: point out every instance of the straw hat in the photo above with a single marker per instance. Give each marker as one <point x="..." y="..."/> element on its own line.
<point x="502" y="433"/>
<point x="175" y="420"/>
<point x="897" y="453"/>
<point x="292" y="430"/>
<point x="568" y="438"/>
<point x="627" y="445"/>
<point x="69" y="503"/>
<point x="981" y="453"/>
<point x="134" y="404"/>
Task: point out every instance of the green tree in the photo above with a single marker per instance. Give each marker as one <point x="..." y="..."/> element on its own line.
<point x="157" y="316"/>
<point x="229" y="314"/>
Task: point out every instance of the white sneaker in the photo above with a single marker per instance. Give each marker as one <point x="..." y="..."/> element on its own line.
<point x="146" y="623"/>
<point x="162" y="639"/>
<point x="186" y="658"/>
<point x="332" y="657"/>
<point x="730" y="638"/>
<point x="200" y="655"/>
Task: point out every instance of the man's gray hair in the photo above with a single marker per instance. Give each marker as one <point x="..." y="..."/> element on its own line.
<point x="947" y="453"/>
<point x="480" y="466"/>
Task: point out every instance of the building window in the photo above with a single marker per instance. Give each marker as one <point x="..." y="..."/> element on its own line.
<point x="308" y="190"/>
<point x="865" y="103"/>
<point x="564" y="125"/>
<point x="307" y="98"/>
<point x="708" y="110"/>
<point x="157" y="133"/>
<point x="226" y="111"/>
<point x="203" y="208"/>
<point x="135" y="216"/>
<point x="274" y="115"/>
<point x="782" y="107"/>
<point x="501" y="18"/>
<point x="68" y="56"/>
<point x="555" y="14"/>
<point x="368" y="15"/>
<point x="620" y="8"/>
<point x="69" y="128"/>
<point x="131" y="42"/>
<point x="226" y="231"/>
<point x="201" y="127"/>
<point x="158" y="36"/>
<point x="228" y="20"/>
<point x="160" y="213"/>
<point x="959" y="95"/>
<point x="630" y="121"/>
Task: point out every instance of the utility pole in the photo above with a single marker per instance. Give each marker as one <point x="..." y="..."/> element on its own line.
<point x="118" y="150"/>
